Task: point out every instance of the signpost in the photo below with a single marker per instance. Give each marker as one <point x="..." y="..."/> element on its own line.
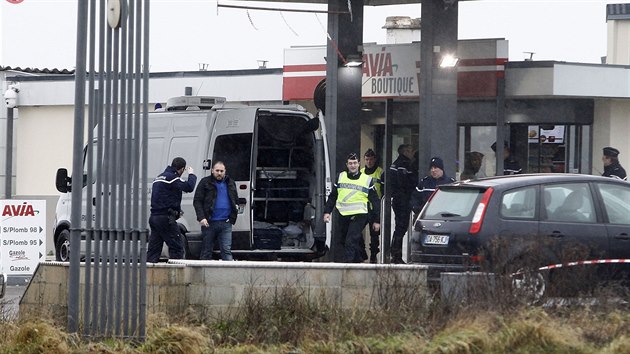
<point x="22" y="235"/>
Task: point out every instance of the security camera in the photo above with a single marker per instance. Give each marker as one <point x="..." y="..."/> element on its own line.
<point x="11" y="97"/>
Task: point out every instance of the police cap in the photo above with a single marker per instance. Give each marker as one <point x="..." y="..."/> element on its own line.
<point x="611" y="151"/>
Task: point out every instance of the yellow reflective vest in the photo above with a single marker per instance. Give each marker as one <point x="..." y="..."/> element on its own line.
<point x="376" y="176"/>
<point x="352" y="194"/>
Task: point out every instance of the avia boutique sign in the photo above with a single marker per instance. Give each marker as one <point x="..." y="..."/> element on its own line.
<point x="393" y="70"/>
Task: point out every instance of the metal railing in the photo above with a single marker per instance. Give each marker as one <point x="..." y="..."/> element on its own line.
<point x="114" y="36"/>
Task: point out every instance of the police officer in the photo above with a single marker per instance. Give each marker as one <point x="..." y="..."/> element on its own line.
<point x="612" y="167"/>
<point x="402" y="182"/>
<point x="429" y="183"/>
<point x="376" y="172"/>
<point x="353" y="197"/>
<point x="166" y="198"/>
<point x="510" y="165"/>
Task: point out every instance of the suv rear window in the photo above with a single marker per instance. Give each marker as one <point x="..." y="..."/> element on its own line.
<point x="457" y="203"/>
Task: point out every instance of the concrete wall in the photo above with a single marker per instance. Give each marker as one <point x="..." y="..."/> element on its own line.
<point x="618" y="44"/>
<point x="209" y="288"/>
<point x="612" y="128"/>
<point x="44" y="145"/>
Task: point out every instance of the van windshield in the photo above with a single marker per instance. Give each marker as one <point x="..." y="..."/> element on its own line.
<point x="458" y="203"/>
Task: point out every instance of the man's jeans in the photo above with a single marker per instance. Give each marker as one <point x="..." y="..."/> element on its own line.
<point x="220" y="230"/>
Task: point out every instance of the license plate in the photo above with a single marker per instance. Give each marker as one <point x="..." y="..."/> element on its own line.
<point x="436" y="240"/>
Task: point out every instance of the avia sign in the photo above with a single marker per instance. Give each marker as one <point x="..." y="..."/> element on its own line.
<point x="393" y="70"/>
<point x="390" y="71"/>
<point x="22" y="235"/>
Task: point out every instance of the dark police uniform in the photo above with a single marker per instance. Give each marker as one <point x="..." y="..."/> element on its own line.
<point x="402" y="184"/>
<point x="166" y="198"/>
<point x="613" y="170"/>
<point x="377" y="176"/>
<point x="510" y="165"/>
<point x="425" y="188"/>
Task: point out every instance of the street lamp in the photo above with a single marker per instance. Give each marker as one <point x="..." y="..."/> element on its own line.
<point x="353" y="61"/>
<point x="449" y="61"/>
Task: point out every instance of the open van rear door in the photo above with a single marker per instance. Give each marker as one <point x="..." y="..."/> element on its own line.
<point x="231" y="143"/>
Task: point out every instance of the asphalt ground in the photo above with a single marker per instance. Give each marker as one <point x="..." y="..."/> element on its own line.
<point x="10" y="303"/>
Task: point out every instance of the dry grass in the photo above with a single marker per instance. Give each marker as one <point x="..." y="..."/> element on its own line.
<point x="292" y="319"/>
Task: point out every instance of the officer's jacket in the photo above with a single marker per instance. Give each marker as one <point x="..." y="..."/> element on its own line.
<point x="615" y="170"/>
<point x="425" y="188"/>
<point x="403" y="178"/>
<point x="374" y="214"/>
<point x="511" y="167"/>
<point x="377" y="176"/>
<point x="166" y="191"/>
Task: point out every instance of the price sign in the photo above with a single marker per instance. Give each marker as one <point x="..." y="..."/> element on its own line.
<point x="22" y="235"/>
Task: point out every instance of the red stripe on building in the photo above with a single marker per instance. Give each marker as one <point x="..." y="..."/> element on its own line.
<point x="482" y="62"/>
<point x="299" y="68"/>
<point x="477" y="84"/>
<point x="299" y="88"/>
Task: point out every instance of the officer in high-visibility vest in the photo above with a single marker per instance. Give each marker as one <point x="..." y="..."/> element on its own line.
<point x="352" y="198"/>
<point x="376" y="172"/>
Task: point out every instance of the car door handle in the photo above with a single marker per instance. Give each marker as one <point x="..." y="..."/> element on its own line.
<point x="622" y="236"/>
<point x="556" y="234"/>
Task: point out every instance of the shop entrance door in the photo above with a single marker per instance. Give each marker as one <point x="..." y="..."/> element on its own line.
<point x="536" y="148"/>
<point x="558" y="148"/>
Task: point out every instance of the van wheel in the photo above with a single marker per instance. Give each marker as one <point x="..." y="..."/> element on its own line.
<point x="62" y="247"/>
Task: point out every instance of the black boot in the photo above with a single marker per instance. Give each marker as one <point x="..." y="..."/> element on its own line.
<point x="397" y="260"/>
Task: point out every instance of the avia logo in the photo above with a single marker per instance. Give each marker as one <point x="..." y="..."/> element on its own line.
<point x="24" y="209"/>
<point x="378" y="64"/>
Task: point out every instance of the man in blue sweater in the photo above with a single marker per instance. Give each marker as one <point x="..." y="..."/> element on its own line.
<point x="216" y="207"/>
<point x="166" y="200"/>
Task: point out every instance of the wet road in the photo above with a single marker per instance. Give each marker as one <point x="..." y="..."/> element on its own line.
<point x="9" y="305"/>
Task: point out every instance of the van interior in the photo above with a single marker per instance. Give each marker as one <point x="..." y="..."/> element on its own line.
<point x="284" y="182"/>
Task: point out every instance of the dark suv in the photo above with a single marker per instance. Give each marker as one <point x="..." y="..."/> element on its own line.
<point x="510" y="222"/>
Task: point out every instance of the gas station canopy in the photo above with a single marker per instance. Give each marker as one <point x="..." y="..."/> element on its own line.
<point x="365" y="2"/>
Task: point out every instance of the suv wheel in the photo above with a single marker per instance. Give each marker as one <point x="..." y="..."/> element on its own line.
<point x="62" y="247"/>
<point x="530" y="286"/>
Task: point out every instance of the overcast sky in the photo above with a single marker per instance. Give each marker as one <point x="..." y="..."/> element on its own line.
<point x="184" y="33"/>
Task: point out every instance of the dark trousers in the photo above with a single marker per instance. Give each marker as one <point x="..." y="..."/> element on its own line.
<point x="351" y="231"/>
<point x="402" y="210"/>
<point x="164" y="229"/>
<point x="374" y="241"/>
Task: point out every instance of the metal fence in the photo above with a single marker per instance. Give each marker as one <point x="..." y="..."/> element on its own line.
<point x="112" y="59"/>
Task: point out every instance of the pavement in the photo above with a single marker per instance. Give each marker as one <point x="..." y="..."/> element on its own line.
<point x="10" y="303"/>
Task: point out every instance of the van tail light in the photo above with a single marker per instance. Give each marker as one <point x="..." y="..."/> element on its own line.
<point x="480" y="212"/>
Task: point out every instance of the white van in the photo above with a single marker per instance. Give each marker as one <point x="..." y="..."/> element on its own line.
<point x="277" y="155"/>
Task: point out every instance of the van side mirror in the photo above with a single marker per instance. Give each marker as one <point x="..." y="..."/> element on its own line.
<point x="312" y="125"/>
<point x="207" y="164"/>
<point x="62" y="181"/>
